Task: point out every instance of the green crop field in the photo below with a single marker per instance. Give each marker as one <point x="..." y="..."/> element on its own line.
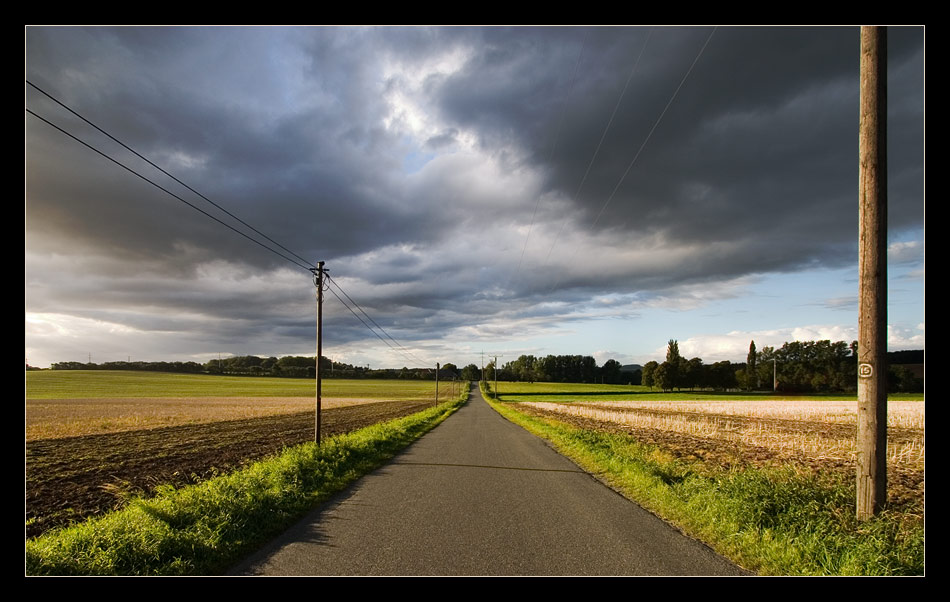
<point x="73" y="384"/>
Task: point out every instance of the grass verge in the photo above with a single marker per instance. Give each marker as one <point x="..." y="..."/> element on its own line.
<point x="779" y="521"/>
<point x="205" y="528"/>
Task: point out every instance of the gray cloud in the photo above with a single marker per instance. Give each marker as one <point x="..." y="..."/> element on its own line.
<point x="415" y="161"/>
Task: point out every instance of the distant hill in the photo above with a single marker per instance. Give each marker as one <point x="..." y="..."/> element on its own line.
<point x="631" y="368"/>
<point x="896" y="358"/>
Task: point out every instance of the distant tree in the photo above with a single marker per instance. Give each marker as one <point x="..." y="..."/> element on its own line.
<point x="697" y="373"/>
<point x="672" y="351"/>
<point x="450" y="370"/>
<point x="663" y="377"/>
<point x="690" y="372"/>
<point x="901" y="380"/>
<point x="742" y="378"/>
<point x="471" y="372"/>
<point x="751" y="375"/>
<point x="673" y="360"/>
<point x="610" y="372"/>
<point x="648" y="378"/>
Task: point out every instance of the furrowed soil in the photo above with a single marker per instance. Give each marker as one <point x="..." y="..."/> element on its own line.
<point x="905" y="484"/>
<point x="73" y="478"/>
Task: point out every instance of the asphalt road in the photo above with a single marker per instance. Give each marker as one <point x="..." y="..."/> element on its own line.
<point x="479" y="495"/>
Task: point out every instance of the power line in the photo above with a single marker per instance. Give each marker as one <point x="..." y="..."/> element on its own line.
<point x="658" y="119"/>
<point x="309" y="267"/>
<point x="336" y="284"/>
<point x="378" y="336"/>
<point x="165" y="190"/>
<point x="557" y="135"/>
<point x="147" y="160"/>
<point x="645" y="140"/>
<point x="602" y="137"/>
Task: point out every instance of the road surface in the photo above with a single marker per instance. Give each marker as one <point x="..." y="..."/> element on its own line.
<point x="479" y="495"/>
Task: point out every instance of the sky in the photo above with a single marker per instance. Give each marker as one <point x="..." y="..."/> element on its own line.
<point x="477" y="191"/>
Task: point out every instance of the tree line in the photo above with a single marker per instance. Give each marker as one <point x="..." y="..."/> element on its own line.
<point x="795" y="367"/>
<point x="289" y="366"/>
<point x="562" y="369"/>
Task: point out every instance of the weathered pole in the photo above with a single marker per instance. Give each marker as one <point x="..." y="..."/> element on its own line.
<point x="496" y="377"/>
<point x="872" y="268"/>
<point x="318" y="280"/>
<point x="437" y="383"/>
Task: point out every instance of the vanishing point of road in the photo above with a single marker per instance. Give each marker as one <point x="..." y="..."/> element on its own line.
<point x="479" y="495"/>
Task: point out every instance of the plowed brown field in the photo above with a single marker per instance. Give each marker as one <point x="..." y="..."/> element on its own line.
<point x="76" y="477"/>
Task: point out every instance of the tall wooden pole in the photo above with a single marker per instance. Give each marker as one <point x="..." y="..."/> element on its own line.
<point x="496" y="377"/>
<point x="318" y="273"/>
<point x="872" y="267"/>
<point x="437" y="383"/>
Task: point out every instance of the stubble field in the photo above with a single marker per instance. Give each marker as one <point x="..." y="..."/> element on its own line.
<point x="814" y="434"/>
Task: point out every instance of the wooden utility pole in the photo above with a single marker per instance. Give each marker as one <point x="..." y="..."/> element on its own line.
<point x="496" y="377"/>
<point x="872" y="268"/>
<point x="318" y="281"/>
<point x="437" y="383"/>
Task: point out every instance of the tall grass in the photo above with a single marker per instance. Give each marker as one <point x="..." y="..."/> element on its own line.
<point x="777" y="521"/>
<point x="204" y="528"/>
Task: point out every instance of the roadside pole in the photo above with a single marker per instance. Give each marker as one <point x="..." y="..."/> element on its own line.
<point x="318" y="282"/>
<point x="496" y="378"/>
<point x="872" y="268"/>
<point x="437" y="383"/>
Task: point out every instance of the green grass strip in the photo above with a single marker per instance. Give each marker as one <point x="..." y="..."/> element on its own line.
<point x="205" y="528"/>
<point x="772" y="521"/>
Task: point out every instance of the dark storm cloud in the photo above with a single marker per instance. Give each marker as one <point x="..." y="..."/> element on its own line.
<point x="314" y="173"/>
<point x="758" y="145"/>
<point x="310" y="135"/>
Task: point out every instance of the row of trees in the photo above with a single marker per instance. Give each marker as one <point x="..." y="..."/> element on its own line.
<point x="290" y="366"/>
<point x="679" y="373"/>
<point x="561" y="368"/>
<point x="185" y="367"/>
<point x="796" y="367"/>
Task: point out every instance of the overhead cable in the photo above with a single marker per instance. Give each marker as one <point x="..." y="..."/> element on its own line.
<point x="309" y="267"/>
<point x="147" y="160"/>
<point x="346" y="305"/>
<point x="557" y="135"/>
<point x="165" y="190"/>
<point x="643" y="145"/>
<point x="610" y="121"/>
<point x="337" y="285"/>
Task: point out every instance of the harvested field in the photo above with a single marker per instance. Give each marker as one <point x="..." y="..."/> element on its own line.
<point x="71" y="478"/>
<point x="816" y="435"/>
